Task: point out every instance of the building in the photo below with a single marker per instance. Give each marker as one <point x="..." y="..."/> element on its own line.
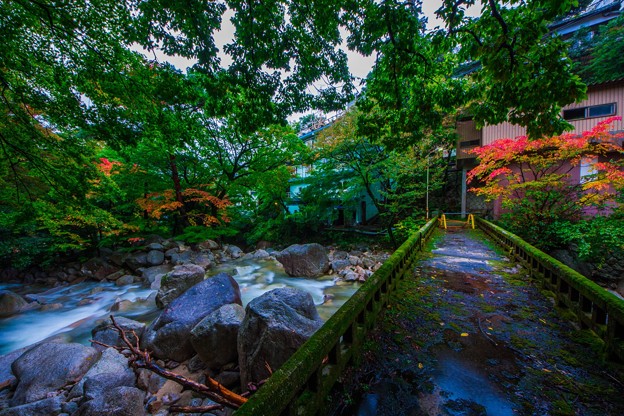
<point x="362" y="210"/>
<point x="603" y="100"/>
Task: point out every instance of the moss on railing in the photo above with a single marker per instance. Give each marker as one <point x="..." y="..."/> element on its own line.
<point x="595" y="307"/>
<point x="301" y="385"/>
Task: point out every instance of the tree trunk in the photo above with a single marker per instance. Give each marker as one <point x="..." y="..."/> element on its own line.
<point x="181" y="221"/>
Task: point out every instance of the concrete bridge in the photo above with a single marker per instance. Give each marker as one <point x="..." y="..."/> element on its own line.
<point x="475" y="322"/>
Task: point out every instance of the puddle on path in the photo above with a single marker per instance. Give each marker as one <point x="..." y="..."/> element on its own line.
<point x="460" y="340"/>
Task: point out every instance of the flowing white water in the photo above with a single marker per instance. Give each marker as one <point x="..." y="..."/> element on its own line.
<point x="84" y="304"/>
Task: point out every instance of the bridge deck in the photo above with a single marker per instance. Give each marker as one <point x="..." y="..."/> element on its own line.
<point x="467" y="334"/>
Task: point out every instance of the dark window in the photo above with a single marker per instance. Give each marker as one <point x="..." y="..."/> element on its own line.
<point x="574" y="114"/>
<point x="469" y="143"/>
<point x="601" y="110"/>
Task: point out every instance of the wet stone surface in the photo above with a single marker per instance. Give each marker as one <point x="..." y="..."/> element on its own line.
<point x="469" y="335"/>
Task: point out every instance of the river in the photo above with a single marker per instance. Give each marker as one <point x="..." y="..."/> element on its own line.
<point x="78" y="308"/>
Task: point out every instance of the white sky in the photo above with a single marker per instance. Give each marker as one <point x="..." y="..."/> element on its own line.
<point x="359" y="65"/>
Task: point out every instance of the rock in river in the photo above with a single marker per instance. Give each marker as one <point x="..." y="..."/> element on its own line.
<point x="169" y="335"/>
<point x="276" y="324"/>
<point x="304" y="260"/>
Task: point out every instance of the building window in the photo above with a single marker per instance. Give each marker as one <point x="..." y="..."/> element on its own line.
<point x="601" y="110"/>
<point x="587" y="168"/>
<point x="469" y="143"/>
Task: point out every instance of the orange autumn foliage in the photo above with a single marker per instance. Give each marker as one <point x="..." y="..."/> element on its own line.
<point x="539" y="171"/>
<point x="198" y="204"/>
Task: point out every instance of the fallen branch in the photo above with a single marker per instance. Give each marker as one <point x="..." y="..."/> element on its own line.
<point x="195" y="409"/>
<point x="142" y="359"/>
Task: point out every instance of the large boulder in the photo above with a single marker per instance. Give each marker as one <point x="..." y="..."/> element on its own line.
<point x="276" y="324"/>
<point x="169" y="335"/>
<point x="48" y="367"/>
<point x="114" y="366"/>
<point x="155" y="257"/>
<point x="11" y="303"/>
<point x="214" y="337"/>
<point x="174" y="283"/>
<point x="118" y="401"/>
<point x="7" y="378"/>
<point x="304" y="260"/>
<point x="48" y="406"/>
<point x="106" y="333"/>
<point x="135" y="261"/>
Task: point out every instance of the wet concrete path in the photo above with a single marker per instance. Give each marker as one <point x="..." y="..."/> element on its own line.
<point x="468" y="335"/>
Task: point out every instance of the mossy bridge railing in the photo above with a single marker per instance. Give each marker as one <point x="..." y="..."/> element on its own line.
<point x="302" y="384"/>
<point x="595" y="308"/>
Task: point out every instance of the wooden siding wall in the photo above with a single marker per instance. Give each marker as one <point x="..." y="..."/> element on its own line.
<point x="467" y="132"/>
<point x="603" y="94"/>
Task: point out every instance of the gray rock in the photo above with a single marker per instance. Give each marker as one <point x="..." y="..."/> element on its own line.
<point x="307" y="260"/>
<point x="126" y="279"/>
<point x="178" y="280"/>
<point x="169" y="253"/>
<point x="151" y="274"/>
<point x="340" y="255"/>
<point x="203" y="259"/>
<point x="117" y="258"/>
<point x="355" y="261"/>
<point x="260" y="254"/>
<point x="234" y="251"/>
<point x="11" y="303"/>
<point x="169" y="335"/>
<point x="118" y="401"/>
<point x="208" y="245"/>
<point x="229" y="379"/>
<point x="111" y="364"/>
<point x="183" y="257"/>
<point x="7" y="378"/>
<point x="47" y="367"/>
<point x="276" y="324"/>
<point x="155" y="246"/>
<point x="51" y="307"/>
<point x="214" y="337"/>
<point x="135" y="261"/>
<point x="155" y="258"/>
<point x="149" y="381"/>
<point x="106" y="333"/>
<point x="44" y="407"/>
<point x="368" y="263"/>
<point x="97" y="385"/>
<point x="340" y="264"/>
<point x="116" y="275"/>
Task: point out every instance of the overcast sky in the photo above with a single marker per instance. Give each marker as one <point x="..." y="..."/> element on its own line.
<point x="359" y="65"/>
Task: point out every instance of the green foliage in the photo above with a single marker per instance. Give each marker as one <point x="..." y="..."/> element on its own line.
<point x="525" y="76"/>
<point x="197" y="234"/>
<point x="606" y="49"/>
<point x="595" y="239"/>
<point x="408" y="226"/>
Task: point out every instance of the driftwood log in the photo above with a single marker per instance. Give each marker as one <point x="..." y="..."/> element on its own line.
<point x="212" y="389"/>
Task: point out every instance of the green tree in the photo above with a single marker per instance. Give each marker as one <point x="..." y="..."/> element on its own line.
<point x="533" y="180"/>
<point x="393" y="180"/>
<point x="606" y="50"/>
<point x="524" y="75"/>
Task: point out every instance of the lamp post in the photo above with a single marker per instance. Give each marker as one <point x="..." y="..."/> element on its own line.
<point x="427" y="195"/>
<point x="437" y="149"/>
